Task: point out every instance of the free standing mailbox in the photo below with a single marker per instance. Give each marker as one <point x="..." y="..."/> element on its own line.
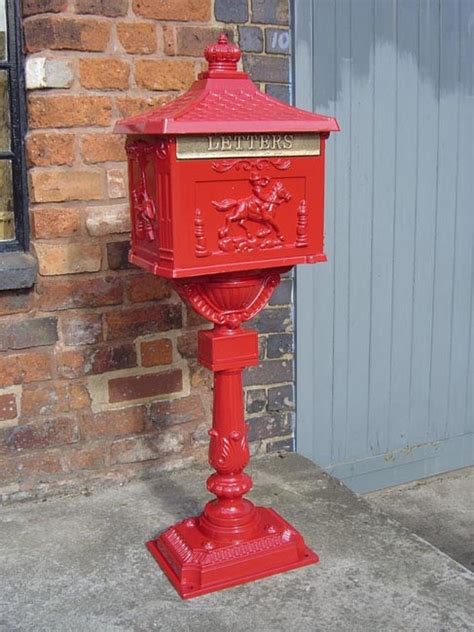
<point x="226" y="193"/>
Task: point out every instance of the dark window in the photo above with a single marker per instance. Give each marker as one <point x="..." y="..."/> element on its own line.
<point x="13" y="198"/>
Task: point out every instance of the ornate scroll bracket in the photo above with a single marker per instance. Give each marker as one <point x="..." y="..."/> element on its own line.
<point x="246" y="164"/>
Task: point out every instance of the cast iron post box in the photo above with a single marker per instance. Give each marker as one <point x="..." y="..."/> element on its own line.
<point x="226" y="193"/>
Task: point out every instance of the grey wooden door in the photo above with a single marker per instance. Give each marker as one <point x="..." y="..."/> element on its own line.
<point x="385" y="329"/>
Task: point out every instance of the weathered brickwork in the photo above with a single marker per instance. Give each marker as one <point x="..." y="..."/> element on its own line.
<point x="98" y="372"/>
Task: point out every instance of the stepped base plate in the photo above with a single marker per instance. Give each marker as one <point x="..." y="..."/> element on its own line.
<point x="196" y="565"/>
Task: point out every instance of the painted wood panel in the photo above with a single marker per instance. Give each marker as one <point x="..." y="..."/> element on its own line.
<point x="385" y="328"/>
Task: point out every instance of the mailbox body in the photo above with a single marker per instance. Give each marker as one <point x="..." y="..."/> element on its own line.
<point x="225" y="178"/>
<point x="240" y="209"/>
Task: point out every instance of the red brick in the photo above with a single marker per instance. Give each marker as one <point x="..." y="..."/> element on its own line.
<point x="45" y="433"/>
<point x="109" y="8"/>
<point x="84" y="457"/>
<point x="25" y="367"/>
<point x="147" y="447"/>
<point x="72" y="258"/>
<point x="130" y="323"/>
<point x="81" y="329"/>
<point x="117" y="183"/>
<point x="108" y="220"/>
<point x="117" y="255"/>
<point x="176" y="411"/>
<point x="156" y="352"/>
<point x="141" y="386"/>
<point x="137" y="37"/>
<point x="66" y="33"/>
<point x="8" y="470"/>
<point x="179" y="10"/>
<point x="201" y="378"/>
<point x="129" y="106"/>
<point x="47" y="148"/>
<point x="275" y="69"/>
<point x="266" y="426"/>
<point x="63" y="186"/>
<point x="76" y="363"/>
<point x="30" y="332"/>
<point x="107" y="358"/>
<point x="71" y="293"/>
<point x="33" y="7"/>
<point x="70" y="364"/>
<point x="52" y="398"/>
<point x="31" y="466"/>
<point x="114" y="423"/>
<point x="169" y="39"/>
<point x="187" y="344"/>
<point x="55" y="221"/>
<point x="69" y="111"/>
<point x="193" y="319"/>
<point x="100" y="147"/>
<point x="15" y="301"/>
<point x="164" y="74"/>
<point x="192" y="40"/>
<point x="104" y="73"/>
<point x="78" y="396"/>
<point x="146" y="287"/>
<point x="8" y="407"/>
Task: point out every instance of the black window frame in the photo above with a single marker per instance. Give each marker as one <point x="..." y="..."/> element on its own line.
<point x="14" y="66"/>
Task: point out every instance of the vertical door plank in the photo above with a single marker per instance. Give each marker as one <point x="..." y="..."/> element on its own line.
<point x="460" y="370"/>
<point x="426" y="175"/>
<point x="445" y="220"/>
<point x="324" y="78"/>
<point x="384" y="149"/>
<point x="360" y="224"/>
<point x="341" y="179"/>
<point x="404" y="221"/>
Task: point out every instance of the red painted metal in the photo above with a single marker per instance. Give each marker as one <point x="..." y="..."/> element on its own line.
<point x="232" y="541"/>
<point x="225" y="100"/>
<point x="224" y="229"/>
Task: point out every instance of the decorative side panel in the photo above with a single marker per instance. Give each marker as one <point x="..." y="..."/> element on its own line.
<point x="143" y="205"/>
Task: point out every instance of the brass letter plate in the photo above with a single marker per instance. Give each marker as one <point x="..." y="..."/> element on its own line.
<point x="241" y="145"/>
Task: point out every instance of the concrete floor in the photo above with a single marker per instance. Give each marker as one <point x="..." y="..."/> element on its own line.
<point x="439" y="509"/>
<point x="79" y="564"/>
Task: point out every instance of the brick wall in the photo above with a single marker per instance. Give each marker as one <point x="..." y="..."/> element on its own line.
<point x="98" y="372"/>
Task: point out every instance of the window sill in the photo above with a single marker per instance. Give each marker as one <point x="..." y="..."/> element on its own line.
<point x="17" y="270"/>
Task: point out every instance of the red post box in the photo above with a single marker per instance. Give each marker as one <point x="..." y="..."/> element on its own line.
<point x="226" y="193"/>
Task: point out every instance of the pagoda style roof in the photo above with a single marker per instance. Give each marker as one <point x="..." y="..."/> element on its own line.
<point x="225" y="100"/>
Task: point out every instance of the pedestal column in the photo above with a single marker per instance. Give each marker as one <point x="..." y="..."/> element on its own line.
<point x="232" y="541"/>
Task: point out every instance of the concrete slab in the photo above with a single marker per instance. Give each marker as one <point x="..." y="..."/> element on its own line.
<point x="439" y="509"/>
<point x="79" y="564"/>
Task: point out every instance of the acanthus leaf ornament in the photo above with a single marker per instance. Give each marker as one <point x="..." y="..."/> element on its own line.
<point x="228" y="454"/>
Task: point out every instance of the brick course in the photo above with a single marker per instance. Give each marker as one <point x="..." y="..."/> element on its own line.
<point x="98" y="371"/>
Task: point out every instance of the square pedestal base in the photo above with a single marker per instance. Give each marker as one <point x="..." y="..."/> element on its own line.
<point x="196" y="565"/>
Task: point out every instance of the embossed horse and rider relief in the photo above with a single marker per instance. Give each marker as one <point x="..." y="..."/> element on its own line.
<point x="251" y="222"/>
